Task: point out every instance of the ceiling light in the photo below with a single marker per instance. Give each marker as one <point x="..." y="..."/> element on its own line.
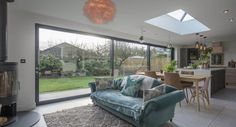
<point x="170" y="46"/>
<point x="205" y="42"/>
<point x="226" y="11"/>
<point x="170" y="42"/>
<point x="231" y="20"/>
<point x="99" y="11"/>
<point x="197" y="43"/>
<point x="141" y="38"/>
<point x="201" y="46"/>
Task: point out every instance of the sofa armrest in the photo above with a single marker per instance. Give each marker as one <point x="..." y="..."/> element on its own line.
<point x="163" y="101"/>
<point x="92" y="86"/>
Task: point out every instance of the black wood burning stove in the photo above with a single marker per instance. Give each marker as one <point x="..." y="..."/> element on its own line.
<point x="8" y="92"/>
<point x="8" y="73"/>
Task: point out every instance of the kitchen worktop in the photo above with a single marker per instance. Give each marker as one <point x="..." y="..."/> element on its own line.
<point x="208" y="69"/>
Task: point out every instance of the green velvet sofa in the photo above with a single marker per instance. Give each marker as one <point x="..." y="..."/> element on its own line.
<point x="152" y="113"/>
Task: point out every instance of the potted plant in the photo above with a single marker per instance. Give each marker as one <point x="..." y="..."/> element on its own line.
<point x="204" y="59"/>
<point x="194" y="66"/>
<point x="171" y="67"/>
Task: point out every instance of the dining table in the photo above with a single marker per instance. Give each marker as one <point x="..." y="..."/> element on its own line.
<point x="187" y="78"/>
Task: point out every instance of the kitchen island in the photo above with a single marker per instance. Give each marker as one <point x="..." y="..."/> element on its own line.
<point x="217" y="81"/>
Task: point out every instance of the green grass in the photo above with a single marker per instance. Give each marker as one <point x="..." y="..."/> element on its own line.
<point x="61" y="84"/>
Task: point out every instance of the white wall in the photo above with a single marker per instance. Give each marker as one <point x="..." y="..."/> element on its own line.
<point x="21" y="44"/>
<point x="229" y="51"/>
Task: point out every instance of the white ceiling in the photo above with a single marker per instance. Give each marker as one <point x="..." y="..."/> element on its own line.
<point x="131" y="15"/>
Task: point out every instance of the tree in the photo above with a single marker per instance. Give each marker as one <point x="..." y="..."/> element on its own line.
<point x="125" y="50"/>
<point x="49" y="63"/>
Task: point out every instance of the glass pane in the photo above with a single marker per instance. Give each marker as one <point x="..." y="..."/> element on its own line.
<point x="159" y="58"/>
<point x="129" y="58"/>
<point x="69" y="61"/>
<point x="187" y="18"/>
<point x="178" y="14"/>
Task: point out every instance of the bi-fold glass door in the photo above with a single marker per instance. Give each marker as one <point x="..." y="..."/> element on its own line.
<point x="67" y="62"/>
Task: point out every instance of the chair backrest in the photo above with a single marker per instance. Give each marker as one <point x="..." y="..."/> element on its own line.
<point x="150" y="74"/>
<point x="187" y="72"/>
<point x="206" y="83"/>
<point x="172" y="79"/>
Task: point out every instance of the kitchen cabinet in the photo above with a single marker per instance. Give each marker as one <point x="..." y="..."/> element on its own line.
<point x="230" y="76"/>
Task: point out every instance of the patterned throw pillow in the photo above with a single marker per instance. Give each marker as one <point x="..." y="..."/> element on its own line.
<point x="161" y="88"/>
<point x="147" y="82"/>
<point x="132" y="87"/>
<point x="103" y="83"/>
<point x="151" y="93"/>
<point x="117" y="84"/>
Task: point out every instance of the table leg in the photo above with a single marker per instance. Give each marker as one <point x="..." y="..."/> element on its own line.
<point x="197" y="95"/>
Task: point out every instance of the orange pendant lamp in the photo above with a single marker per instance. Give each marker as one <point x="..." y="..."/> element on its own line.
<point x="99" y="11"/>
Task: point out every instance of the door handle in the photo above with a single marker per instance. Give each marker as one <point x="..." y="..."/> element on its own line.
<point x="36" y="70"/>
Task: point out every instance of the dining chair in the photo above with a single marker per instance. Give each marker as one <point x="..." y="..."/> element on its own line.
<point x="185" y="83"/>
<point x="150" y="74"/>
<point x="187" y="73"/>
<point x="173" y="79"/>
<point x="203" y="92"/>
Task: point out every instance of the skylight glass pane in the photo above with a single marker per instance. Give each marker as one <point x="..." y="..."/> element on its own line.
<point x="178" y="14"/>
<point x="187" y="18"/>
<point x="179" y="22"/>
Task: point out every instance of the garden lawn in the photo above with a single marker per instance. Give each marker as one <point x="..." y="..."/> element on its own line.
<point x="61" y="84"/>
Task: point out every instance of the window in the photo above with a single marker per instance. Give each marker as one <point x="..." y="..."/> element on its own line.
<point x="69" y="61"/>
<point x="129" y="58"/>
<point x="180" y="15"/>
<point x="179" y="22"/>
<point x="159" y="58"/>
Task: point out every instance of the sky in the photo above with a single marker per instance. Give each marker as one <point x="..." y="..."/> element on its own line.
<point x="49" y="38"/>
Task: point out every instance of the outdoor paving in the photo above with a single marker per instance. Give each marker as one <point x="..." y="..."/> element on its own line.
<point x="63" y="94"/>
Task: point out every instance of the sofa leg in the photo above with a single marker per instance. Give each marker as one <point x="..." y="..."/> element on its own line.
<point x="171" y="120"/>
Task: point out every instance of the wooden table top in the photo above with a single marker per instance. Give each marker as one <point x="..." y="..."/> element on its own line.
<point x="184" y="77"/>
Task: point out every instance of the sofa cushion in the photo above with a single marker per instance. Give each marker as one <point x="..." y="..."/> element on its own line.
<point x="147" y="82"/>
<point x="151" y="93"/>
<point x="132" y="87"/>
<point x="117" y="84"/>
<point x="113" y="99"/>
<point x="103" y="82"/>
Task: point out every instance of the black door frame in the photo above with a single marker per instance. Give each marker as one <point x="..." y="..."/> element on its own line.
<point x="37" y="26"/>
<point x="38" y="102"/>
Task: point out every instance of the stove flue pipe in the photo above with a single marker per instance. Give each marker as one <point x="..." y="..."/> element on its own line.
<point x="3" y="29"/>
